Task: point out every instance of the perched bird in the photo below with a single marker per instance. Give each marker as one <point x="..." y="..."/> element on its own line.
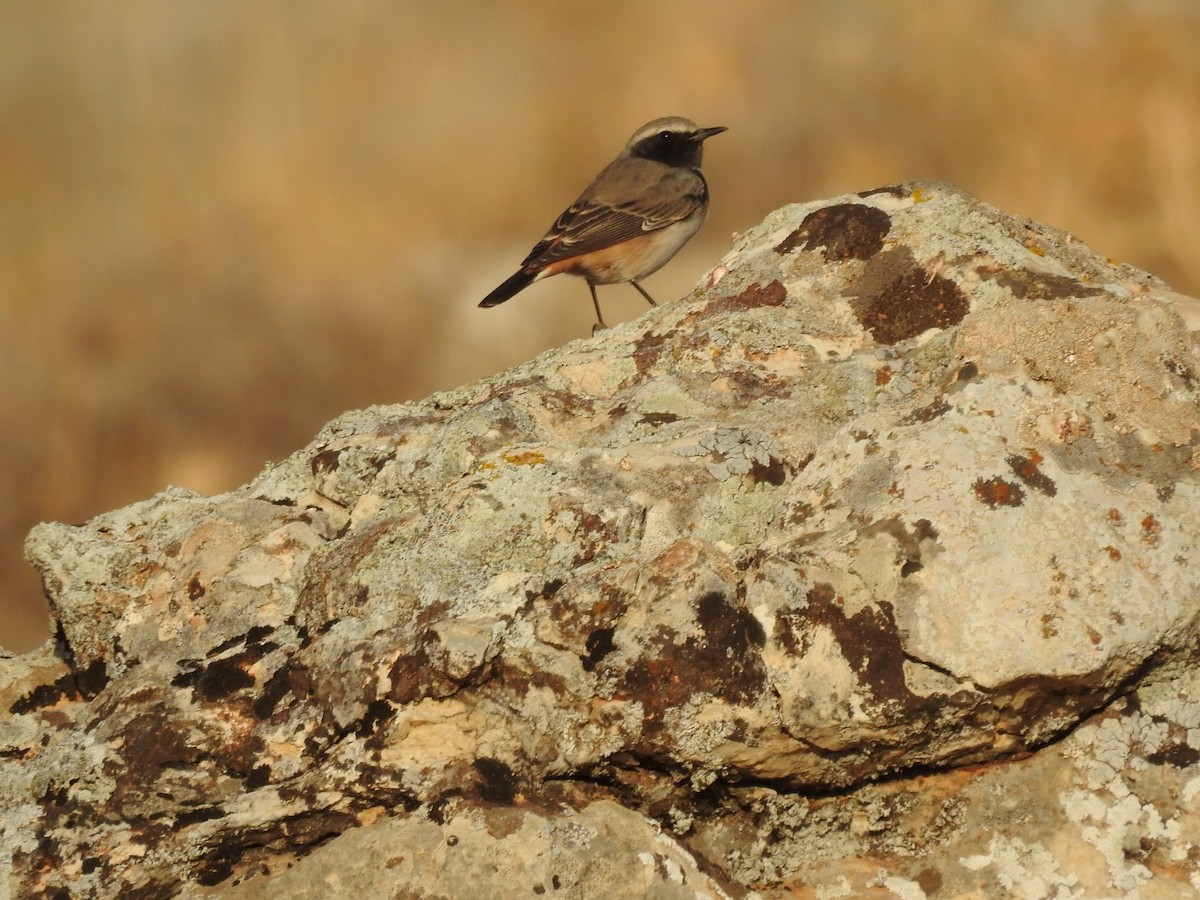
<point x="635" y="215"/>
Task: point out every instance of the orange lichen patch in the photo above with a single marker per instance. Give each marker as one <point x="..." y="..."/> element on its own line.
<point x="526" y="458"/>
<point x="1151" y="529"/>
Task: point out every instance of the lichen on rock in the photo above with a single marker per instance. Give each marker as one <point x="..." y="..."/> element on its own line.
<point x="769" y="588"/>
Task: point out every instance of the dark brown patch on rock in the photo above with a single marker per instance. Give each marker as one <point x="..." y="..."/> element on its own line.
<point x="517" y="677"/>
<point x="1026" y="285"/>
<point x="326" y="461"/>
<point x="156" y="744"/>
<point x="728" y="626"/>
<point x="45" y="695"/>
<point x="911" y="304"/>
<point x="930" y="880"/>
<point x="497" y="781"/>
<point x="599" y="644"/>
<point x="1178" y="754"/>
<point x="869" y="641"/>
<point x="1026" y="468"/>
<point x="219" y="678"/>
<point x="196" y="814"/>
<point x="821" y="593"/>
<point x="379" y="713"/>
<point x="892" y="190"/>
<point x="195" y="588"/>
<point x="279" y="685"/>
<point x="928" y="413"/>
<point x="846" y="231"/>
<point x="655" y="419"/>
<point x="93" y="679"/>
<point x="414" y="675"/>
<point x="754" y="297"/>
<point x="225" y="646"/>
<point x="774" y="473"/>
<point x="648" y="349"/>
<point x="725" y="662"/>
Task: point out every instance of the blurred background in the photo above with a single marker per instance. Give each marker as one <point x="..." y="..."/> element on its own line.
<point x="222" y="223"/>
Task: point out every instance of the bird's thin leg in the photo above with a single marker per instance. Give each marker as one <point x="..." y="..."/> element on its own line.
<point x="642" y="291"/>
<point x="600" y="323"/>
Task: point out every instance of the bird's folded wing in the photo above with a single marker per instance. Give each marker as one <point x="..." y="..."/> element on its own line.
<point x="594" y="221"/>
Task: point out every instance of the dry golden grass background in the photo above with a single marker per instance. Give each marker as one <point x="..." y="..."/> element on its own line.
<point x="224" y="222"/>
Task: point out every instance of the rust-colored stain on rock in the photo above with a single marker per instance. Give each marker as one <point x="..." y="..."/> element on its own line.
<point x="725" y="662"/>
<point x="756" y="296"/>
<point x="912" y="304"/>
<point x="996" y="492"/>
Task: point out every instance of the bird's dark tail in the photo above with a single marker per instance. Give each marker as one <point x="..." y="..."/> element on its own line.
<point x="514" y="285"/>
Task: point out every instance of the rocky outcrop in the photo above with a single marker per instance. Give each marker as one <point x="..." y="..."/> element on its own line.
<point x="871" y="566"/>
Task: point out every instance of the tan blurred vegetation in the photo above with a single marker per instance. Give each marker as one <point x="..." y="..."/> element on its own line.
<point x="224" y="222"/>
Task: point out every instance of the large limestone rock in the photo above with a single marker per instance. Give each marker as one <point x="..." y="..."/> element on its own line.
<point x="869" y="568"/>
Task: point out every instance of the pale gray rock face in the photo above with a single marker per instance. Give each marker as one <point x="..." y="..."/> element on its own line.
<point x="870" y="566"/>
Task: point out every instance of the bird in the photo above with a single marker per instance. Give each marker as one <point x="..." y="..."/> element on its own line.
<point x="634" y="216"/>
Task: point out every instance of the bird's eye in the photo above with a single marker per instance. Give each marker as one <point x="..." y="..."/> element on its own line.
<point x="666" y="137"/>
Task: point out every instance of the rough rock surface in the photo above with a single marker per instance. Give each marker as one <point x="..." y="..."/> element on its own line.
<point x="870" y="568"/>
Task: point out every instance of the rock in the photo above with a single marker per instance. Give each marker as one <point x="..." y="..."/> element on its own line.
<point x="867" y="567"/>
<point x="602" y="850"/>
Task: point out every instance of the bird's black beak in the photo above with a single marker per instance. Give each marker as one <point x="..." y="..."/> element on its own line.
<point x="703" y="134"/>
